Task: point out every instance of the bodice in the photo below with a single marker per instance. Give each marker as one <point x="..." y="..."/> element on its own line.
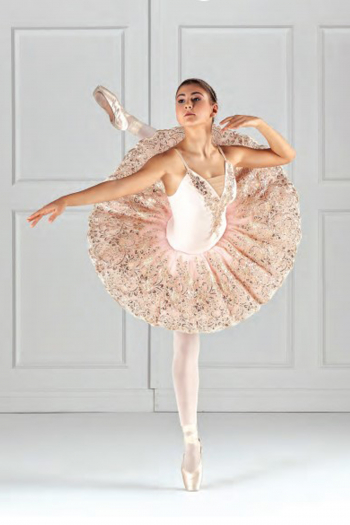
<point x="198" y="217"/>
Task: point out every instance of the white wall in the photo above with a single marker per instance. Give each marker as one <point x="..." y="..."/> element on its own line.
<point x="65" y="343"/>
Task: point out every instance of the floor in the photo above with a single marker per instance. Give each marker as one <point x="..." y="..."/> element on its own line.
<point x="258" y="467"/>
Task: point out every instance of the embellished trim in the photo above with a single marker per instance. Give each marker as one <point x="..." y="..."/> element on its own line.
<point x="214" y="203"/>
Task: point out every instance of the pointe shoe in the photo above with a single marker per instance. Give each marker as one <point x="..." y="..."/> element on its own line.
<point x="110" y="103"/>
<point x="192" y="480"/>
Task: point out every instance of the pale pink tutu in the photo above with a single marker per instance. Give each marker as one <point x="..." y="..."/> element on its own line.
<point x="205" y="292"/>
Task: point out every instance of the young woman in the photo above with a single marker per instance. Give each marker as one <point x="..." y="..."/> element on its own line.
<point x="195" y="230"/>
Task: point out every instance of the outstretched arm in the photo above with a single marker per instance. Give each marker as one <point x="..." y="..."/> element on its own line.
<point x="280" y="151"/>
<point x="109" y="190"/>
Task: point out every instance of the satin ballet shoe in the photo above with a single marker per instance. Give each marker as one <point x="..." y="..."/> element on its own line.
<point x="192" y="480"/>
<point x="110" y="103"/>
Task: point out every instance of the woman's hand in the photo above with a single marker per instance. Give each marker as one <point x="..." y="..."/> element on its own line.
<point x="240" y="121"/>
<point x="55" y="207"/>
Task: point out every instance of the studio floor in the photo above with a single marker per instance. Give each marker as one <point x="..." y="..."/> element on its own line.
<point x="256" y="466"/>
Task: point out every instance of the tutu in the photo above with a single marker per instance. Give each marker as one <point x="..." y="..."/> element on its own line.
<point x="196" y="292"/>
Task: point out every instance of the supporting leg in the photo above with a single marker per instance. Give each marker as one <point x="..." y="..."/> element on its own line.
<point x="185" y="373"/>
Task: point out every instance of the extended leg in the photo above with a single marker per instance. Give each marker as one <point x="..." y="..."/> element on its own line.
<point x="185" y="373"/>
<point x="118" y="115"/>
<point x="139" y="128"/>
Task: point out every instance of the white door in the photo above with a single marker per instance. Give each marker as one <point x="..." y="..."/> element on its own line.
<point x="288" y="63"/>
<point x="65" y="343"/>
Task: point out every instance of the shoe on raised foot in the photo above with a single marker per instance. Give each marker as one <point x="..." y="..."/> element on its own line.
<point x="110" y="103"/>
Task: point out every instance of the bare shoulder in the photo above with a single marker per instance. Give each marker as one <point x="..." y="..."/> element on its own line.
<point x="158" y="164"/>
<point x="166" y="158"/>
<point x="169" y="155"/>
<point x="173" y="170"/>
<point x="233" y="153"/>
<point x="172" y="161"/>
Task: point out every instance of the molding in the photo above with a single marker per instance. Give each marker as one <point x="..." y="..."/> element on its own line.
<point x="262" y="400"/>
<point x="320" y="49"/>
<point x="82" y="400"/>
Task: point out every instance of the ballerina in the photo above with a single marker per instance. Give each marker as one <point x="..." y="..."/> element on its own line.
<point x="194" y="231"/>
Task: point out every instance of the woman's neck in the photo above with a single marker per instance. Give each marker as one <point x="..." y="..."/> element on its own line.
<point x="198" y="141"/>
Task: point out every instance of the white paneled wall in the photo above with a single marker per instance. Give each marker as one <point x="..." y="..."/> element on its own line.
<point x="65" y="343"/>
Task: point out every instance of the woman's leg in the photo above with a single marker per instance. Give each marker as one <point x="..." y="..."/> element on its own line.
<point x="185" y="373"/>
<point x="118" y="114"/>
<point x="139" y="128"/>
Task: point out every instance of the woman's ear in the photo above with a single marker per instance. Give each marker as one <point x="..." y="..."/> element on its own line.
<point x="215" y="109"/>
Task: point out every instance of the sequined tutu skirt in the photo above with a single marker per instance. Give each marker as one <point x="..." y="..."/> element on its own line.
<point x="206" y="292"/>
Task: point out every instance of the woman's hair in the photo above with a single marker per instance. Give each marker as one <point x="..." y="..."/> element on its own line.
<point x="205" y="86"/>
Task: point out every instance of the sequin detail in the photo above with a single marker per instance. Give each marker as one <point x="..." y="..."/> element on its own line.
<point x="206" y="292"/>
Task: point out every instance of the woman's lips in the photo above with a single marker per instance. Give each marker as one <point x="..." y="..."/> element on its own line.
<point x="189" y="115"/>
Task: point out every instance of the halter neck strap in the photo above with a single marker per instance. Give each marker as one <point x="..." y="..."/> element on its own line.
<point x="183" y="160"/>
<point x="222" y="153"/>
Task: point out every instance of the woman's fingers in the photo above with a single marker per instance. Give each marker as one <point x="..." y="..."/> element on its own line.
<point x="34" y="222"/>
<point x="38" y="213"/>
<point x="35" y="217"/>
<point x="55" y="208"/>
<point x="41" y="212"/>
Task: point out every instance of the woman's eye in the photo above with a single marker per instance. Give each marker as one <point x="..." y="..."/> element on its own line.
<point x="181" y="99"/>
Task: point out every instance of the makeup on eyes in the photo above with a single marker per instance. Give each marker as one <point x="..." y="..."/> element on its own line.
<point x="195" y="98"/>
<point x="193" y="93"/>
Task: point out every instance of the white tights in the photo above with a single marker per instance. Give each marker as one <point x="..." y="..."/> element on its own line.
<point x="185" y="373"/>
<point x="138" y="128"/>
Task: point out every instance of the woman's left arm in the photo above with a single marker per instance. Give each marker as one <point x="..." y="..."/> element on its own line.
<point x="280" y="151"/>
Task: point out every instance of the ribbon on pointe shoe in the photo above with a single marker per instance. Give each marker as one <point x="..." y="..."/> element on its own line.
<point x="190" y="433"/>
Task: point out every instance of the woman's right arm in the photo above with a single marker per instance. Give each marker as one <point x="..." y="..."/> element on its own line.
<point x="110" y="190"/>
<point x="150" y="173"/>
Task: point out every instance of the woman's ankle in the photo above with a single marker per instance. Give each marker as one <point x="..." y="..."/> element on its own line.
<point x="190" y="432"/>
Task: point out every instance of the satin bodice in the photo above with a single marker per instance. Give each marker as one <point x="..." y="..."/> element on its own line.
<point x="198" y="208"/>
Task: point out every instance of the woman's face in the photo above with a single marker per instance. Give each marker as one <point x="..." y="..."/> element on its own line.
<point x="192" y="98"/>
